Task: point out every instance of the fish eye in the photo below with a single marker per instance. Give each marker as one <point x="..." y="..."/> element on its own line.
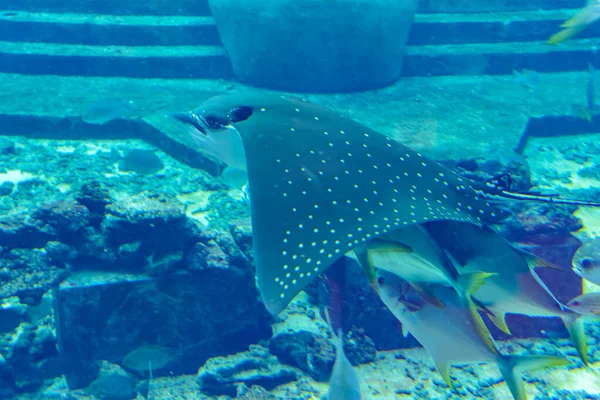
<point x="586" y="263"/>
<point x="575" y="303"/>
<point x="380" y="280"/>
<point x="241" y="113"/>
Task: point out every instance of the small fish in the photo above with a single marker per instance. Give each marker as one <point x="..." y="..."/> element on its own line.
<point x="144" y="358"/>
<point x="322" y="184"/>
<point x="449" y="336"/>
<point x="584" y="18"/>
<point x="411" y="254"/>
<point x="591" y="89"/>
<point x="343" y="383"/>
<point x="588" y="110"/>
<point x="586" y="261"/>
<point x="104" y="111"/>
<point x="143" y="162"/>
<point x="527" y="78"/>
<point x="514" y="287"/>
<point x="587" y="304"/>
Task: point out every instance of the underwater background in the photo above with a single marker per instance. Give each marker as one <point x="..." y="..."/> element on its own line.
<point x="127" y="260"/>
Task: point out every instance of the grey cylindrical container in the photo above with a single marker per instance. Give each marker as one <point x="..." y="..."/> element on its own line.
<point x="315" y="45"/>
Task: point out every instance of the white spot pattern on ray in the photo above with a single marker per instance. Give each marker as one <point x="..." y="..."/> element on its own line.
<point x="406" y="181"/>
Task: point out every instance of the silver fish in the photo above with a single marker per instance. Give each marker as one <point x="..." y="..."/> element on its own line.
<point x="515" y="288"/>
<point x="343" y="383"/>
<point x="586" y="261"/>
<point x="411" y="254"/>
<point x="587" y="304"/>
<point x="450" y="337"/>
<point x="322" y="184"/>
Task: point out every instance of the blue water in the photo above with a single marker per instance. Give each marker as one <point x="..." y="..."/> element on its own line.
<point x="128" y="199"/>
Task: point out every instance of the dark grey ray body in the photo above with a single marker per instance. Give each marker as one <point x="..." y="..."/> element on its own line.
<point x="321" y="184"/>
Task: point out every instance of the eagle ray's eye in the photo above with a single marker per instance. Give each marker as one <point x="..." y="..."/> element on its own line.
<point x="241" y="113"/>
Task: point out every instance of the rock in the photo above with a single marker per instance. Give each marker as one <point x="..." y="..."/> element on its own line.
<point x="159" y="220"/>
<point x="6" y="188"/>
<point x="12" y="313"/>
<point x="20" y="230"/>
<point x="130" y="251"/>
<point x="197" y="315"/>
<point x="590" y="172"/>
<point x="58" y="390"/>
<point x="235" y="255"/>
<point x="113" y="383"/>
<point x="166" y="264"/>
<point x="253" y="393"/>
<point x="31" y="354"/>
<point x="29" y="187"/>
<point x="28" y="274"/>
<point x="6" y="147"/>
<point x="95" y="249"/>
<point x="60" y="252"/>
<point x="64" y="219"/>
<point x="540" y="223"/>
<point x="349" y="45"/>
<point x="222" y="375"/>
<point x="94" y="196"/>
<point x="8" y="388"/>
<point x="241" y="232"/>
<point x="308" y="351"/>
<point x="208" y="255"/>
<point x="359" y="348"/>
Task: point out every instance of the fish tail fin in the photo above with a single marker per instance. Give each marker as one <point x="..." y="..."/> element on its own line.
<point x="467" y="284"/>
<point x="366" y="262"/>
<point x="534" y="262"/>
<point x="338" y="334"/>
<point x="511" y="368"/>
<point x="567" y="33"/>
<point x="500" y="321"/>
<point x="470" y="283"/>
<point x="576" y="327"/>
<point x="444" y="369"/>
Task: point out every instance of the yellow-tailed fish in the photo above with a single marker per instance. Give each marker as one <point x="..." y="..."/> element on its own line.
<point x="586" y="261"/>
<point x="584" y="18"/>
<point x="450" y="337"/>
<point x="414" y="256"/>
<point x="587" y="304"/>
<point x="514" y="288"/>
<point x="411" y="254"/>
<point x="408" y="252"/>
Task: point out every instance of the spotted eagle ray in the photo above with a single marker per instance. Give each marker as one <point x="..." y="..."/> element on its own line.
<point x="321" y="184"/>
